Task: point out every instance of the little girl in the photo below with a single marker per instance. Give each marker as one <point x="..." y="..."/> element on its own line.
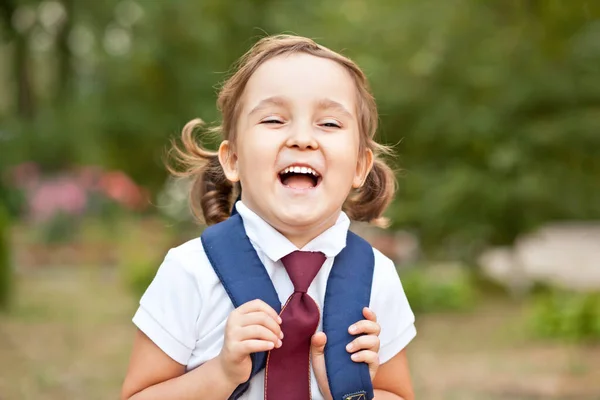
<point x="298" y="152"/>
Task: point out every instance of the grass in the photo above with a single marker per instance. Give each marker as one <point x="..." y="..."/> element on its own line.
<point x="69" y="336"/>
<point x="487" y="354"/>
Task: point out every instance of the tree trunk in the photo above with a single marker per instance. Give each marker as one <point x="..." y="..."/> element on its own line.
<point x="65" y="62"/>
<point x="25" y="97"/>
<point x="24" y="91"/>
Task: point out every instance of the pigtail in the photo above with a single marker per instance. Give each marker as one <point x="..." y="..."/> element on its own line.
<point x="369" y="202"/>
<point x="211" y="193"/>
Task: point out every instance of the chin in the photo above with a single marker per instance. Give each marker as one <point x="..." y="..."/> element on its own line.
<point x="301" y="216"/>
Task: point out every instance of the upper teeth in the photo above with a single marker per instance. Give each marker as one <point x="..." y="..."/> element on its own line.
<point x="300" y="170"/>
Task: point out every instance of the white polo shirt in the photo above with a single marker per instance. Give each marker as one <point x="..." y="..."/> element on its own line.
<point x="185" y="308"/>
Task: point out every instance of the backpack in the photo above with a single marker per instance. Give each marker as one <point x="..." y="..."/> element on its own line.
<point x="348" y="291"/>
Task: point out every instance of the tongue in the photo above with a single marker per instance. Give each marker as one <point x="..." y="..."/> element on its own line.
<point x="298" y="181"/>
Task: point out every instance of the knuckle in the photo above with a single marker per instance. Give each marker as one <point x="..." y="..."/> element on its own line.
<point x="256" y="303"/>
<point x="368" y="341"/>
<point x="254" y="330"/>
<point x="377" y="328"/>
<point x="262" y="304"/>
<point x="368" y="356"/>
<point x="268" y="334"/>
<point x="375" y="343"/>
<point x="364" y="340"/>
<point x="358" y="342"/>
<point x="264" y="318"/>
<point x="370" y="327"/>
<point x="264" y="333"/>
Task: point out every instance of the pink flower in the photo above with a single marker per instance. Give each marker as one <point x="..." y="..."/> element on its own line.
<point x="55" y="196"/>
<point x="70" y="192"/>
<point x="120" y="188"/>
<point x="89" y="177"/>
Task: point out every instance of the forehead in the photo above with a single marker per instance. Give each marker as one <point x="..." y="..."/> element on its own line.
<point x="301" y="78"/>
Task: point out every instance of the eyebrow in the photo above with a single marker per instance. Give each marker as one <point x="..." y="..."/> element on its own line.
<point x="323" y="104"/>
<point x="328" y="104"/>
<point x="269" y="101"/>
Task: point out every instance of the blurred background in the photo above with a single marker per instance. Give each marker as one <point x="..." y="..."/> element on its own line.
<point x="493" y="108"/>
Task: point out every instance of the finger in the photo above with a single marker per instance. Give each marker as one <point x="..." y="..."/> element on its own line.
<point x="366" y="356"/>
<point x="259" y="305"/>
<point x="317" y="343"/>
<point x="365" y="326"/>
<point x="263" y="319"/>
<point x="369" y="314"/>
<point x="366" y="342"/>
<point x="253" y="346"/>
<point x="317" y="350"/>
<point x="259" y="332"/>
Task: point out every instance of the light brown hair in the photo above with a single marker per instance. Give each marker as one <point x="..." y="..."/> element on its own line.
<point x="212" y="194"/>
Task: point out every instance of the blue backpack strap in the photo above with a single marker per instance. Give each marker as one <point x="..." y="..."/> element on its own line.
<point x="348" y="292"/>
<point x="229" y="251"/>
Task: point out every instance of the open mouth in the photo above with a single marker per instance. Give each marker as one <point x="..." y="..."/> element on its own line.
<point x="299" y="177"/>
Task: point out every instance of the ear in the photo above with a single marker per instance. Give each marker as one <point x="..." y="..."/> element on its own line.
<point x="228" y="160"/>
<point x="363" y="167"/>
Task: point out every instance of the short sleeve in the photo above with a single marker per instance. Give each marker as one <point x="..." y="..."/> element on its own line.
<point x="394" y="314"/>
<point x="169" y="310"/>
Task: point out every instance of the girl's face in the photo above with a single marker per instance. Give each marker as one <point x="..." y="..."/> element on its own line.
<point x="297" y="144"/>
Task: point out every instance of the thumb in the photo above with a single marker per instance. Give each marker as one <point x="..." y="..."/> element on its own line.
<point x="317" y="344"/>
<point x="317" y="351"/>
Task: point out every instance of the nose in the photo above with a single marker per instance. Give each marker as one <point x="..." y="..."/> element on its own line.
<point x="301" y="136"/>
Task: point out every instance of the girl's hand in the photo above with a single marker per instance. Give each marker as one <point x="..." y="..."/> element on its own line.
<point x="251" y="328"/>
<point x="364" y="348"/>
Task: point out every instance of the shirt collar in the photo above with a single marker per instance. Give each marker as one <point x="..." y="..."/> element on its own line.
<point x="276" y="246"/>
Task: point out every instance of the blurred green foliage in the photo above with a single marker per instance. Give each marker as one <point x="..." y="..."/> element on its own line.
<point x="560" y="314"/>
<point x="61" y="228"/>
<point x="137" y="276"/>
<point x="439" y="289"/>
<point x="493" y="107"/>
<point x="6" y="270"/>
<point x="140" y="249"/>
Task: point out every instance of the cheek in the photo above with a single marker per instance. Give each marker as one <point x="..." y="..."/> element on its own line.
<point x="342" y="171"/>
<point x="344" y="156"/>
<point x="256" y="154"/>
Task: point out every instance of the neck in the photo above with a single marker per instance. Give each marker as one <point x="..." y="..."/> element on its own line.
<point x="300" y="236"/>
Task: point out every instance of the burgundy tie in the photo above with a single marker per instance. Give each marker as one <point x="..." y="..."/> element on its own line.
<point x="287" y="376"/>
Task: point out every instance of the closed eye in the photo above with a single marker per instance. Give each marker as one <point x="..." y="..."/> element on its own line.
<point x="331" y="124"/>
<point x="271" y="121"/>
